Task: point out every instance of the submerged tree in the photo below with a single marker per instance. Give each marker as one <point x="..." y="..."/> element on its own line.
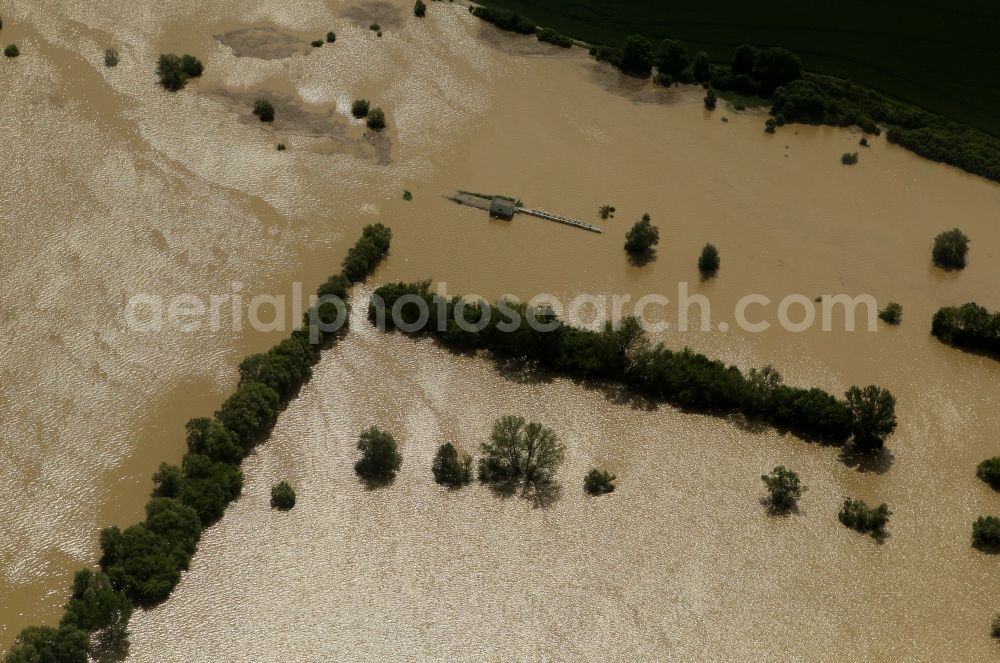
<point x="282" y="496"/>
<point x="96" y="604"/>
<point x="989" y="471"/>
<point x="986" y="533"/>
<point x="783" y="487"/>
<point x="643" y="236"/>
<point x="380" y="459"/>
<point x="175" y="71"/>
<point x="711" y="100"/>
<point x="599" y="482"/>
<point x="264" y="109"/>
<point x="44" y="644"/>
<point x="519" y="450"/>
<point x="858" y="515"/>
<point x="359" y="108"/>
<point x="892" y="313"/>
<point x="451" y="468"/>
<point x="873" y="415"/>
<point x="376" y="119"/>
<point x="708" y="261"/>
<point x="951" y="249"/>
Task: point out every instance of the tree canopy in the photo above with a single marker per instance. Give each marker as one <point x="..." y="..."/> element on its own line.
<point x="637" y="56"/>
<point x="951" y="249"/>
<point x="643" y="236"/>
<point x="784" y="488"/>
<point x="380" y="459"/>
<point x="451" y="468"/>
<point x="873" y="415"/>
<point x="520" y="451"/>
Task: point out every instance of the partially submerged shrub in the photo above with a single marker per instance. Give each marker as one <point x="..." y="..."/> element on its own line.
<point x="989" y="471"/>
<point x="111" y="57"/>
<point x="607" y="212"/>
<point x="264" y="109"/>
<point x="316" y="43"/>
<point x="849" y="158"/>
<point x="376" y="119"/>
<point x="407" y="195"/>
<point x="986" y="533"/>
<point x="710" y="99"/>
<point x="784" y="488"/>
<point x="708" y="261"/>
<point x="857" y="515"/>
<point x="191" y="66"/>
<point x="419" y="9"/>
<point x="281" y="147"/>
<point x="892" y="313"/>
<point x="770" y="126"/>
<point x="330" y="37"/>
<point x="863" y="142"/>
<point x="995" y="631"/>
<point x="505" y="19"/>
<point x="554" y="37"/>
<point x="950" y="249"/>
<point x="175" y="71"/>
<point x="359" y="108"/>
<point x="451" y="468"/>
<point x="599" y="482"/>
<point x="282" y="496"/>
<point x="664" y="79"/>
<point x="12" y="51"/>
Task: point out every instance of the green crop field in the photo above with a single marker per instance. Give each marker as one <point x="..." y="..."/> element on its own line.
<point x="943" y="56"/>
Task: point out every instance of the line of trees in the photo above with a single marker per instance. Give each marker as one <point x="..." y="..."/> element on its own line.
<point x="776" y="73"/>
<point x="141" y="564"/>
<point x="968" y="326"/>
<point x="820" y="99"/>
<point x="683" y="378"/>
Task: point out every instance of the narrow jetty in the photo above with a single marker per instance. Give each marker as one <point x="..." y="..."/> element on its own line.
<point x="506" y="208"/>
<point x="541" y="214"/>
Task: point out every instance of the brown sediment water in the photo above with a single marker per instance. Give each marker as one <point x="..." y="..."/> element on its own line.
<point x="118" y="188"/>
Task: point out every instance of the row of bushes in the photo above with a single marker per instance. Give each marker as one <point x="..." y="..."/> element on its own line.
<point x="505" y="19"/>
<point x="513" y="22"/>
<point x="141" y="564"/>
<point x="968" y="326"/>
<point x="684" y="378"/>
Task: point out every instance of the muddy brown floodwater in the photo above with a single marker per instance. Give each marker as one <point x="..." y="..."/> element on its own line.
<point x="115" y="188"/>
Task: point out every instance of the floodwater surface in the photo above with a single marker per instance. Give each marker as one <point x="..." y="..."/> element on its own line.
<point x="118" y="188"/>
